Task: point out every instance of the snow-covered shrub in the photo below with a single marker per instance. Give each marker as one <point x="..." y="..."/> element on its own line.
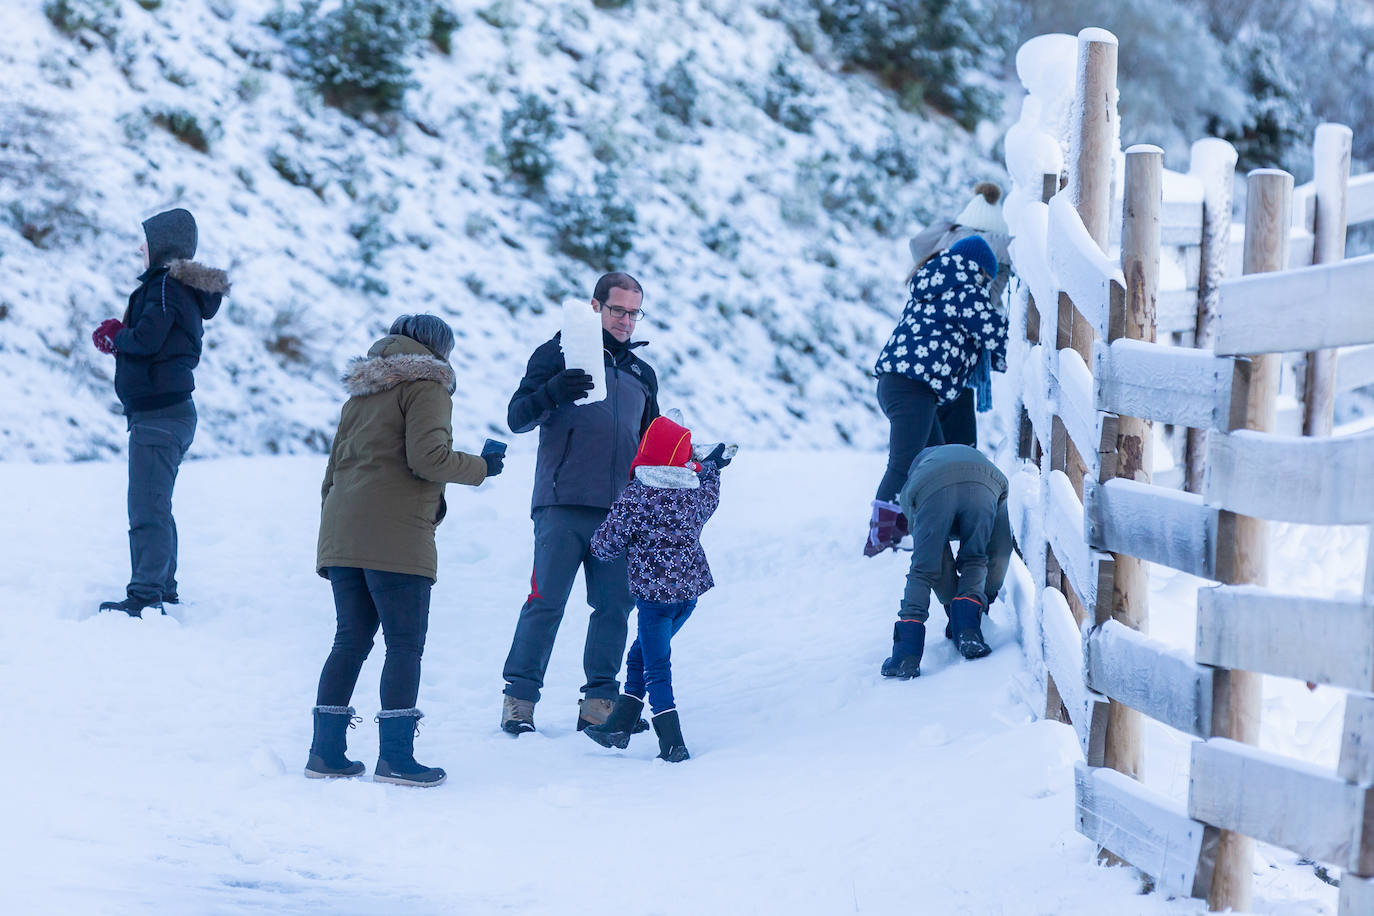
<point x="294" y="171"/>
<point x="932" y="52"/>
<point x="187" y="127"/>
<point x="785" y="97"/>
<point x="1277" y="122"/>
<point x="443" y="22"/>
<point x="82" y="18"/>
<point x="42" y="194"/>
<point x="722" y="238"/>
<point x="596" y="228"/>
<point x="611" y="4"/>
<point x="356" y="55"/>
<point x="676" y="94"/>
<point x="527" y="134"/>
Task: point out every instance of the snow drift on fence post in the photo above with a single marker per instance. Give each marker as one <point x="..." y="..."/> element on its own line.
<point x="1330" y="180"/>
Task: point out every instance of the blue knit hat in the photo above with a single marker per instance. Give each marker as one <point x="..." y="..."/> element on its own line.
<point x="977" y="251"/>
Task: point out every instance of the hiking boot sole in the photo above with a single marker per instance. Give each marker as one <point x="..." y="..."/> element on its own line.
<point x="402" y="781"/>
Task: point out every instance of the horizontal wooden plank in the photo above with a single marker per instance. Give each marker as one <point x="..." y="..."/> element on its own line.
<point x="1313" y="639"/>
<point x="1282" y="801"/>
<point x="1354" y="368"/>
<point x="1162" y="383"/>
<point x="1359" y="207"/>
<point x="1176" y="311"/>
<point x="1146" y="675"/>
<point x="1311" y="308"/>
<point x="1180" y="222"/>
<point x="1357" y="740"/>
<point x="1075" y="404"/>
<point x="1063" y="653"/>
<point x="1090" y="571"/>
<point x="1356" y="897"/>
<point x="1318" y="481"/>
<point x="1153" y="523"/>
<point x="1142" y="827"/>
<point x="1081" y="269"/>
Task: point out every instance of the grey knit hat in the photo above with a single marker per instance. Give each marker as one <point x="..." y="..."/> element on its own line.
<point x="171" y="235"/>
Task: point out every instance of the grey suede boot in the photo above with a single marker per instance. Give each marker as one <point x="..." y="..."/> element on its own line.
<point x="517" y="715"/>
<point x="328" y="749"/>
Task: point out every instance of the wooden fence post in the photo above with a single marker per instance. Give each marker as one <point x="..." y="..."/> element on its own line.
<point x="1331" y="177"/>
<point x="1213" y="162"/>
<point x="1140" y="241"/>
<point x="1236" y="694"/>
<point x="1094" y="140"/>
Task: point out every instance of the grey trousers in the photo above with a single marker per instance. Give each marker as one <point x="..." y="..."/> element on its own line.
<point x="562" y="545"/>
<point x="964" y="510"/>
<point x="158" y="440"/>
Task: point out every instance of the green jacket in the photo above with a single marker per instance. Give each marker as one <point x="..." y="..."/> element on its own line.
<point x="383" y="491"/>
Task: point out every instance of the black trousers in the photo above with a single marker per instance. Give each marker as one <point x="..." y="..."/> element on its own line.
<point x="158" y="440"/>
<point x="959" y="420"/>
<point x="363" y="600"/>
<point x="910" y="407"/>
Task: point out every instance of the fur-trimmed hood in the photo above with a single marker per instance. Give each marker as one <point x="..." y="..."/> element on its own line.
<point x="199" y="276"/>
<point x="393" y="361"/>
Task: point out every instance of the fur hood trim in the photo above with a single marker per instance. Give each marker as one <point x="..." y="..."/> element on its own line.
<point x="667" y="477"/>
<point x="197" y="275"/>
<point x="367" y="375"/>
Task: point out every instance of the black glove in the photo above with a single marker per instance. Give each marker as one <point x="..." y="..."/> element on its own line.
<point x="568" y="385"/>
<point x="717" y="457"/>
<point x="495" y="463"/>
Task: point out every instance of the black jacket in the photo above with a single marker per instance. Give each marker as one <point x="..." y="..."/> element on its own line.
<point x="159" y="346"/>
<point x="585" y="450"/>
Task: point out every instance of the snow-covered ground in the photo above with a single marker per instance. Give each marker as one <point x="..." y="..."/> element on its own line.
<point x="154" y="765"/>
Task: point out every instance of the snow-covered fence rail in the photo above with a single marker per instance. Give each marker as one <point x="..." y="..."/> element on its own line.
<point x="1092" y="379"/>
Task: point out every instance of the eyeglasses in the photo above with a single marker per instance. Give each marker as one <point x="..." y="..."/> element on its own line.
<point x="617" y="313"/>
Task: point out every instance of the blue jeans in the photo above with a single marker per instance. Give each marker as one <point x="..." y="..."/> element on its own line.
<point x="363" y="600"/>
<point x="648" y="668"/>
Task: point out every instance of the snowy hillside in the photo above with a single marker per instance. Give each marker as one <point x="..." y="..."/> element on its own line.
<point x="771" y="195"/>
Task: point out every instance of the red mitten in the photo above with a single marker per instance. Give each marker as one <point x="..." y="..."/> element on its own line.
<point x="103" y="336"/>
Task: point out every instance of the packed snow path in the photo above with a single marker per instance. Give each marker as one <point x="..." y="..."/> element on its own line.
<point x="155" y="765"/>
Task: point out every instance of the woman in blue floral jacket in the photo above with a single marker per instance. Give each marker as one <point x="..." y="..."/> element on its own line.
<point x="950" y="336"/>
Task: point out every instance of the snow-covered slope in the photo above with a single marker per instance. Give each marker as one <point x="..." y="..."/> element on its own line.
<point x="154" y="765"/>
<point x="772" y="258"/>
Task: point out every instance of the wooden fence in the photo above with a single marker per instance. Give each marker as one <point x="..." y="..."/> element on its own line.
<point x="1088" y="516"/>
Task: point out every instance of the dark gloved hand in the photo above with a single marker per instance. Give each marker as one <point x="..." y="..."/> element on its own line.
<point x="716" y="458"/>
<point x="568" y="385"/>
<point x="103" y="336"/>
<point x="496" y="462"/>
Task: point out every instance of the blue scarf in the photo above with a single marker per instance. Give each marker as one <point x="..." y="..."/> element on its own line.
<point x="981" y="381"/>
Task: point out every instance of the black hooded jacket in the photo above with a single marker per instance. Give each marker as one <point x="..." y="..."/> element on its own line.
<point x="159" y="347"/>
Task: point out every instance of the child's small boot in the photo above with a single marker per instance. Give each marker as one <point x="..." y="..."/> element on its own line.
<point x="670" y="744"/>
<point x="966" y="622"/>
<point x="328" y="748"/>
<point x="886" y="529"/>
<point x="908" y="644"/>
<point x="396" y="757"/>
<point x="619" y="725"/>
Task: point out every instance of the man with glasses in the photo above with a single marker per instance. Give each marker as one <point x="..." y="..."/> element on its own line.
<point x="585" y="452"/>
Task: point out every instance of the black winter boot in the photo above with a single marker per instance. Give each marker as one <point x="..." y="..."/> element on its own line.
<point x="328" y="749"/>
<point x="396" y="760"/>
<point x="134" y="607"/>
<point x="619" y="725"/>
<point x="966" y="622"/>
<point x="669" y="730"/>
<point x="908" y="644"/>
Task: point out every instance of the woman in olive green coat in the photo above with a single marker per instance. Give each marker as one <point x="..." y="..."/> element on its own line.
<point x="383" y="496"/>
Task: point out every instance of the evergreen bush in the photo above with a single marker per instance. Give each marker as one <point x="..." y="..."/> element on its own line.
<point x="785" y="98"/>
<point x="74" y="18"/>
<point x="676" y="94"/>
<point x="597" y="228"/>
<point x="357" y="55"/>
<point x="932" y="52"/>
<point x="528" y="132"/>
